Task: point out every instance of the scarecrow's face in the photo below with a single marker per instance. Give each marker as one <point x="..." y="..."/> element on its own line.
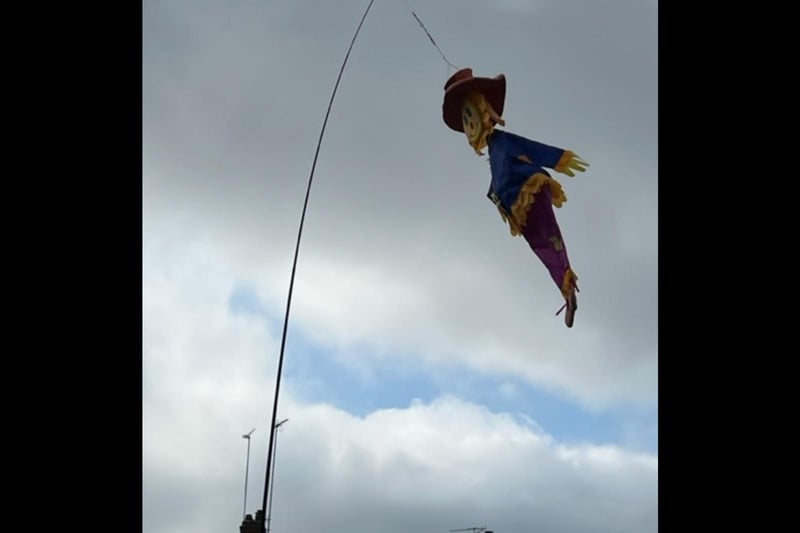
<point x="471" y="118"/>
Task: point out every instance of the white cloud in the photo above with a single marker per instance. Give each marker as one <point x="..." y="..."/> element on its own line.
<point x="208" y="376"/>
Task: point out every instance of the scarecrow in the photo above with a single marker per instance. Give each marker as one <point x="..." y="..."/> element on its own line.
<point x="521" y="188"/>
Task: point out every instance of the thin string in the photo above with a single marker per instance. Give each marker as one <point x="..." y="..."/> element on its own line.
<point x="433" y="41"/>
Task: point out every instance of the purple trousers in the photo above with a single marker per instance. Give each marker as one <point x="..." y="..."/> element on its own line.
<point x="544" y="237"/>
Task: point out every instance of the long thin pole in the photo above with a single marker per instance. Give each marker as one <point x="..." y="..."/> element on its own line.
<point x="271" y="492"/>
<point x="246" y="471"/>
<point x="294" y="269"/>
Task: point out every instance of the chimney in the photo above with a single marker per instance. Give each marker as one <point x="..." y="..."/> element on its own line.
<point x="253" y="526"/>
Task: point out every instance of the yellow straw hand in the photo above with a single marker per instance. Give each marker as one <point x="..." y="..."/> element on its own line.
<point x="575" y="163"/>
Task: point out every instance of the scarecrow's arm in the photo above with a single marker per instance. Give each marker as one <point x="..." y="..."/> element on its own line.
<point x="543" y="155"/>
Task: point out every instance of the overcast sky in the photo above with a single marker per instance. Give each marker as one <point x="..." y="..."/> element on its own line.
<point x="427" y="381"/>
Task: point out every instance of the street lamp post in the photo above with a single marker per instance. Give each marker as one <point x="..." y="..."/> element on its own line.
<point x="246" y="470"/>
<point x="272" y="484"/>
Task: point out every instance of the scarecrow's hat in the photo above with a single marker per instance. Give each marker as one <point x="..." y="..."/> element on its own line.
<point x="459" y="84"/>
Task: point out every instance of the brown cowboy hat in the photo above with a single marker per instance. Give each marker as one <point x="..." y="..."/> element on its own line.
<point x="459" y="84"/>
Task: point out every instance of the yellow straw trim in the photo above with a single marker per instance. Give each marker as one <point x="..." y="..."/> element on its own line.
<point x="526" y="197"/>
<point x="488" y="119"/>
<point x="570" y="281"/>
<point x="564" y="161"/>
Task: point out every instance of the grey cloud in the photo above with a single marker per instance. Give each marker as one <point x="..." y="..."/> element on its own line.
<point x="233" y="100"/>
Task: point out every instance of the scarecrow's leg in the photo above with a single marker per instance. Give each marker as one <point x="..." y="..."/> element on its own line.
<point x="544" y="237"/>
